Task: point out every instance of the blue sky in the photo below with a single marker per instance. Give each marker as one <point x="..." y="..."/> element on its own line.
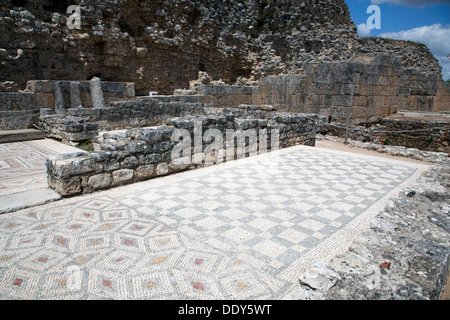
<point x="425" y="21"/>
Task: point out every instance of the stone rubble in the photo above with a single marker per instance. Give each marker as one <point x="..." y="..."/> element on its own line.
<point x="401" y="151"/>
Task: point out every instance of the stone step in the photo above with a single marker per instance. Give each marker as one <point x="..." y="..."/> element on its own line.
<point x="20" y="135"/>
<point x="27" y="199"/>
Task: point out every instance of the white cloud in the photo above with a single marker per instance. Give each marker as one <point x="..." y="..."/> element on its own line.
<point x="435" y="37"/>
<point x="412" y="3"/>
<point x="363" y="30"/>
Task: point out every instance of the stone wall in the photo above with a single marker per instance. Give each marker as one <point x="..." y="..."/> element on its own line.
<point x="443" y="94"/>
<point x="426" y="135"/>
<point x="367" y="91"/>
<point x="82" y="124"/>
<point x="20" y="110"/>
<point x="224" y="96"/>
<point x="161" y="45"/>
<point x="45" y="92"/>
<point x="413" y="55"/>
<point x="140" y="154"/>
<point x="423" y="135"/>
<point x="17" y="110"/>
<point x="253" y="111"/>
<point x="71" y="130"/>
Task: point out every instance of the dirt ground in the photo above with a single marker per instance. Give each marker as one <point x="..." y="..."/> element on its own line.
<point x="446" y="291"/>
<point x="417" y="116"/>
<point x="326" y="144"/>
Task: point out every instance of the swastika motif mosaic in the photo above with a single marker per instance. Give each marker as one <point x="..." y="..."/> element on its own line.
<point x="22" y="164"/>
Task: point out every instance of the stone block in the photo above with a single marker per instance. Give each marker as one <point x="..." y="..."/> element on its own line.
<point x="180" y="164"/>
<point x="161" y="147"/>
<point x="151" y="158"/>
<point x="129" y="162"/>
<point x="151" y="136"/>
<point x="81" y="136"/>
<point x="138" y="147"/>
<point x="64" y="168"/>
<point x="111" y="166"/>
<point x="121" y="176"/>
<point x="100" y="181"/>
<point x="65" y="186"/>
<point x="162" y="169"/>
<point x="141" y="53"/>
<point x="144" y="172"/>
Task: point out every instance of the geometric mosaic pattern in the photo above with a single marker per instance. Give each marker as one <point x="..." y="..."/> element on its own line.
<point x="240" y="230"/>
<point x="22" y="164"/>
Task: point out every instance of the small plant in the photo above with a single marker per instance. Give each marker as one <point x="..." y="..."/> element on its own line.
<point x="86" y="145"/>
<point x="429" y="140"/>
<point x="386" y="142"/>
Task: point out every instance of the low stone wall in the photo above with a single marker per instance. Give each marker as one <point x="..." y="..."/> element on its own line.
<point x="17" y="110"/>
<point x="423" y="135"/>
<point x="70" y="130"/>
<point x="120" y="115"/>
<point x="398" y="151"/>
<point x="254" y="111"/>
<point x="139" y="154"/>
<point x="224" y="96"/>
<point x="427" y="135"/>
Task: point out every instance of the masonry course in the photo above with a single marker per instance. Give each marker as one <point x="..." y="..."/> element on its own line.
<point x="138" y="154"/>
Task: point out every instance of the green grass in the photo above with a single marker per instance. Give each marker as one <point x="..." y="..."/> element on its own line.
<point x="86" y="145"/>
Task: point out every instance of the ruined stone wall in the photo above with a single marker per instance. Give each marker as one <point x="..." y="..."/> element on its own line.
<point x="21" y="110"/>
<point x="161" y="45"/>
<point x="17" y="110"/>
<point x="84" y="123"/>
<point x="365" y="91"/>
<point x="424" y="134"/>
<point x="412" y="55"/>
<point x="443" y="94"/>
<point x="111" y="91"/>
<point x="141" y="154"/>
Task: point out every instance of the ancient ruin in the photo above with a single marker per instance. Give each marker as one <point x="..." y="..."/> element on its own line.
<point x="134" y="84"/>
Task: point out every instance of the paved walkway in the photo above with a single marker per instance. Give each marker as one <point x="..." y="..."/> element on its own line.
<point x="241" y="230"/>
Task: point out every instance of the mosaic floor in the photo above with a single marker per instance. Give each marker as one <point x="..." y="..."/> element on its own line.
<point x="240" y="230"/>
<point x="22" y="164"/>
